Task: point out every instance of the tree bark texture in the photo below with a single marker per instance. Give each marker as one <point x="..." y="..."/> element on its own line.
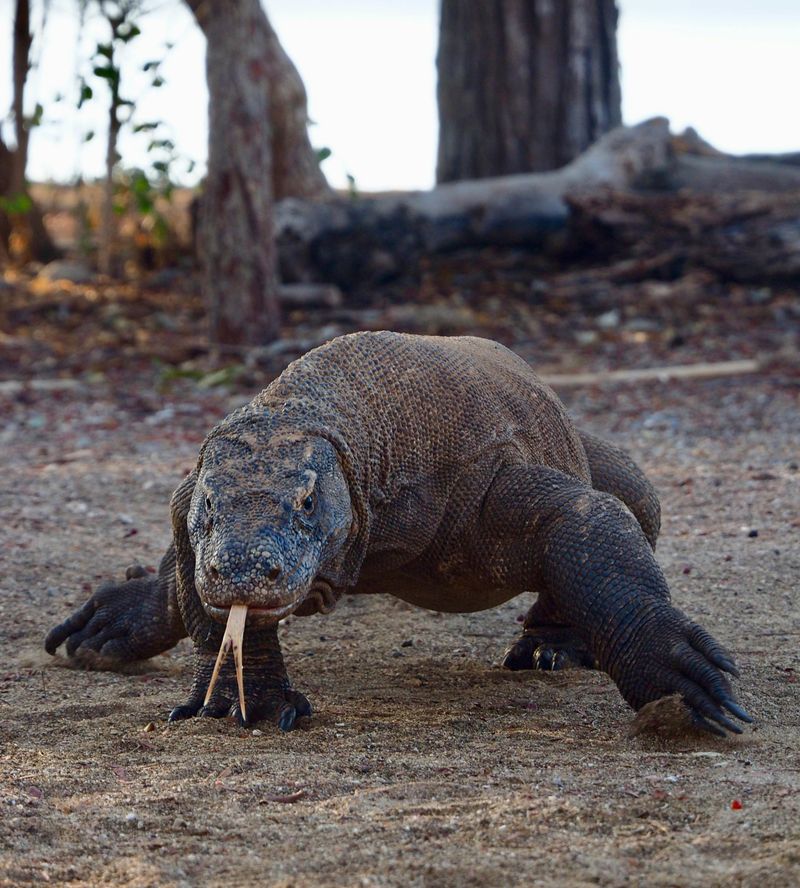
<point x="108" y="220"/>
<point x="524" y="85"/>
<point x="22" y="49"/>
<point x="295" y="166"/>
<point x="30" y="238"/>
<point x="738" y="217"/>
<point x="236" y="234"/>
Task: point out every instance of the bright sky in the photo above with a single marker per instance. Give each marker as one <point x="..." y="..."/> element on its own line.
<point x="730" y="68"/>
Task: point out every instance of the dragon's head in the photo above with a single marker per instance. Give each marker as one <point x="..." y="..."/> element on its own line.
<point x="270" y="510"/>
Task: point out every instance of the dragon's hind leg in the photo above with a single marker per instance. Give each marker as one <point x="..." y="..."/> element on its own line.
<point x="613" y="471"/>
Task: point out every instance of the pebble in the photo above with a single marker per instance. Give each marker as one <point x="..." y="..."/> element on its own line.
<point x="609" y="320"/>
<point x="131" y="817"/>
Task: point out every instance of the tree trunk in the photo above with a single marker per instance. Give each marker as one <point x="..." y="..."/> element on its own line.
<point x="31" y="237"/>
<point x="22" y="48"/>
<point x="295" y="166"/>
<point x="236" y="235"/>
<point x="740" y="217"/>
<point x="524" y="85"/>
<point x="108" y="220"/>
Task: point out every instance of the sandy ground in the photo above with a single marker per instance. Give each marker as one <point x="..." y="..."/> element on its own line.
<point x="425" y="764"/>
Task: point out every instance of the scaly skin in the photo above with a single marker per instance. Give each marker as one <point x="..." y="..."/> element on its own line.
<point x="438" y="470"/>
<point x="124" y="622"/>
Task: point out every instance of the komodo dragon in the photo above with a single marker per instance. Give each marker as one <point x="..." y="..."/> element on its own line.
<point x="439" y="470"/>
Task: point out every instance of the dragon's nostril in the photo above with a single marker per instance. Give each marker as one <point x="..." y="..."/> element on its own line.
<point x="212" y="572"/>
<point x="274" y="573"/>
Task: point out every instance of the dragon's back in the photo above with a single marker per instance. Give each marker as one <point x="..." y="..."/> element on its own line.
<point x="413" y="404"/>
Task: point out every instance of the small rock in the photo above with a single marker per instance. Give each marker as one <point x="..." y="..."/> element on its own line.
<point x="752" y="533"/>
<point x="609" y="320"/>
<point x="586" y="337"/>
<point x="74" y="272"/>
<point x="150" y="726"/>
<point x="409" y="642"/>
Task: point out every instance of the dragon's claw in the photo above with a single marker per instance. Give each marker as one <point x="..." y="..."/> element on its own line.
<point x="545" y="652"/>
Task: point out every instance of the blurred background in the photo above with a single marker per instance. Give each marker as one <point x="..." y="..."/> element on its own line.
<point x="372" y="119"/>
<point x="710" y="64"/>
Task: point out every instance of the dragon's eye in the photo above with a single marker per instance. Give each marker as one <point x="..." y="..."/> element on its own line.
<point x="308" y="504"/>
<point x="207" y="502"/>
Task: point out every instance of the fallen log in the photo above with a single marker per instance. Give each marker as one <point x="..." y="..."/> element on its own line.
<point x="748" y="236"/>
<point x="361" y="241"/>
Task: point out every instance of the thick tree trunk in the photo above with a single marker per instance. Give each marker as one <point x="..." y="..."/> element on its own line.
<point x="524" y="85"/>
<point x="236" y="236"/>
<point x="295" y="166"/>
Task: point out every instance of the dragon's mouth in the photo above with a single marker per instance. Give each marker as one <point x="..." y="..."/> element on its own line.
<point x="258" y="614"/>
<point x="235" y="617"/>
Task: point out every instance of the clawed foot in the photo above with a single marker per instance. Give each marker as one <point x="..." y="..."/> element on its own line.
<point x="548" y="649"/>
<point x="267" y="698"/>
<point x="120" y="624"/>
<point x="681" y="657"/>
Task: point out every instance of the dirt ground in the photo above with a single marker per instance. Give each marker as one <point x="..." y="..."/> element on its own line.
<point x="425" y="763"/>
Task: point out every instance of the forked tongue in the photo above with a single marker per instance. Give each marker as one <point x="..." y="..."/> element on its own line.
<point x="234" y="633"/>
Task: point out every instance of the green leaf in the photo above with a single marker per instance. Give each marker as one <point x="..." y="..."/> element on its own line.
<point x="169" y="374"/>
<point x="160" y="229"/>
<point x="89" y="136"/>
<point x="323" y="154"/>
<point x="168" y="144"/>
<point x="157" y="81"/>
<point x="119" y="209"/>
<point x="145" y="127"/>
<point x="107" y="72"/>
<point x="86" y="93"/>
<point x="127" y="31"/>
<point x="16" y="204"/>
<point x="144" y="204"/>
<point x="148" y="66"/>
<point x="36" y="118"/>
<point x="105" y="49"/>
<point x="140" y="185"/>
<point x="223" y="376"/>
